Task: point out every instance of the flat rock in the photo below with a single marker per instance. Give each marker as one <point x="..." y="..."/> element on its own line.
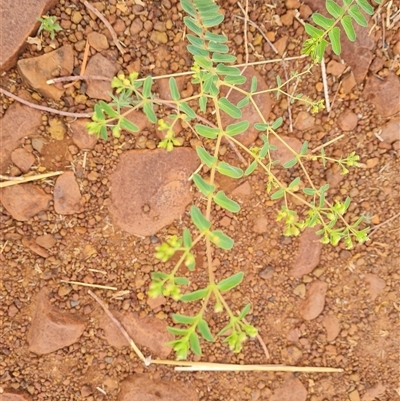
<point x="347" y="120"/>
<point x="19" y="121"/>
<point x="332" y="327"/>
<point x="304" y="121"/>
<point x="140" y="387"/>
<point x="308" y="254"/>
<point x="52" y="329"/>
<point x="16" y="26"/>
<point x="150" y="188"/>
<point x="292" y="389"/>
<point x="99" y="65"/>
<point x="383" y="94"/>
<point x="34" y="247"/>
<point x="80" y="135"/>
<point x="149" y="332"/>
<point x="23" y="159"/>
<point x="37" y="70"/>
<point x="261" y="225"/>
<point x="23" y="201"/>
<point x="374" y="392"/>
<point x="46" y="241"/>
<point x="314" y="304"/>
<point x="376" y="285"/>
<point x="335" y="68"/>
<point x="249" y="112"/>
<point x="391" y="131"/>
<point x="139" y="119"/>
<point x="67" y="196"/>
<point x="13" y="395"/>
<point x="282" y="153"/>
<point x="98" y="41"/>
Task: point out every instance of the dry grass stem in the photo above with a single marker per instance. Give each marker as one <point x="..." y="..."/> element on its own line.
<point x="107" y="24"/>
<point x="78" y="78"/>
<point x="22" y="180"/>
<point x="102" y="287"/>
<point x="325" y="84"/>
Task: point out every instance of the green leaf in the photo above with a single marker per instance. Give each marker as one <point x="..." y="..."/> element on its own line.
<point x="195" y="343"/>
<point x="148" y="110"/>
<point x="173" y="88"/>
<point x="304" y="148"/>
<point x="251" y="168"/>
<point x="205" y="157"/>
<point x="198" y="219"/>
<point x="217" y="47"/>
<point x="194" y="40"/>
<point x="187" y="110"/>
<point x="181" y="281"/>
<point x="312" y="31"/>
<point x="237" y="128"/>
<point x="108" y="109"/>
<point x="366" y="6"/>
<point x="348" y="28"/>
<point x="210" y="84"/>
<point x="333" y="9"/>
<point x="309" y="191"/>
<point x="223" y="58"/>
<point x="98" y="113"/>
<point x="187" y="238"/>
<point x="253" y="86"/>
<point x="205" y="330"/>
<point x="245" y="311"/>
<point x="334" y="36"/>
<point x="188" y="7"/>
<point x="203" y="103"/>
<point x="277" y="123"/>
<point x="228" y="170"/>
<point x="322" y="21"/>
<point x="182" y="319"/>
<point x="278" y="194"/>
<point x="230" y="282"/>
<point x="235" y="80"/>
<point x="192" y="25"/>
<point x="103" y="133"/>
<point x="203" y="62"/>
<point x="128" y="125"/>
<point x="225" y="70"/>
<point x="229" y="108"/>
<point x="321" y="49"/>
<point x="176" y="331"/>
<point x="261" y="127"/>
<point x="294" y="183"/>
<point x="222" y="200"/>
<point x="195" y="295"/>
<point x="220" y="239"/>
<point x="203" y="186"/>
<point x="215" y="37"/>
<point x="207" y="132"/>
<point x="290" y="163"/>
<point x="355" y="12"/>
<point x="244" y="102"/>
<point x="197" y="51"/>
<point x="148" y="82"/>
<point x="214" y="21"/>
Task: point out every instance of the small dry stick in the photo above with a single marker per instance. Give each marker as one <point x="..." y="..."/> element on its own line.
<point x="325" y="83"/>
<point x="21" y="180"/>
<point x="376" y="228"/>
<point x="102" y="287"/>
<point x="262" y="343"/>
<point x="78" y="78"/>
<point x="288" y="97"/>
<point x="43" y="108"/>
<point x="327" y="143"/>
<point x="119" y="325"/>
<point x="334" y="98"/>
<point x="107" y="24"/>
<point x="84" y="62"/>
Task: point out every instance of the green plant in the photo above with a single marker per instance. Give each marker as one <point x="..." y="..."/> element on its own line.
<point x="211" y="71"/>
<point x="49" y="24"/>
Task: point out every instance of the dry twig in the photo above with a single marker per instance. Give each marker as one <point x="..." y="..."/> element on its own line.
<point x="21" y="180"/>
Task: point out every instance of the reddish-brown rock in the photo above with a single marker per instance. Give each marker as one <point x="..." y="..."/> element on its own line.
<point x="249" y="112"/>
<point x="348" y="120"/>
<point x="80" y="135"/>
<point x="292" y="389"/>
<point x="149" y="332"/>
<point x="13" y="395"/>
<point x="99" y="65"/>
<point x="34" y="247"/>
<point x="308" y="254"/>
<point x="282" y="153"/>
<point x="384" y="94"/>
<point x="332" y="327"/>
<point x="314" y="304"/>
<point x="37" y="70"/>
<point x="67" y="196"/>
<point x="52" y="329"/>
<point x="23" y="159"/>
<point x="376" y="285"/>
<point x="140" y="387"/>
<point x="23" y="201"/>
<point x="304" y="121"/>
<point x="98" y="41"/>
<point x="19" y="121"/>
<point x="150" y="188"/>
<point x="46" y="241"/>
<point x="17" y="22"/>
<point x="391" y="131"/>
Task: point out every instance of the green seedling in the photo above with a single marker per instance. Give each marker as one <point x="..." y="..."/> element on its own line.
<point x="49" y="24"/>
